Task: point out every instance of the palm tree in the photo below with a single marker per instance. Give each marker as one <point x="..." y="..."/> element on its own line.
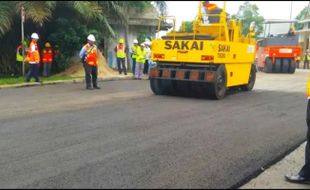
<point x="39" y="12"/>
<point x="6" y="13"/>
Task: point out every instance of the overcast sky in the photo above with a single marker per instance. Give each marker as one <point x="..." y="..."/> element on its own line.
<point x="187" y="10"/>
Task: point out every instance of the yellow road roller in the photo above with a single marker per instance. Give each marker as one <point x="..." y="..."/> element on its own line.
<point x="206" y="61"/>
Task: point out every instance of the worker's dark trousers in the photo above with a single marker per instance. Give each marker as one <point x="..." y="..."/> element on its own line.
<point x="305" y="171"/>
<point x="33" y="72"/>
<point x="121" y="65"/>
<point x="306" y="63"/>
<point x="133" y="65"/>
<point x="91" y="73"/>
<point x="146" y="67"/>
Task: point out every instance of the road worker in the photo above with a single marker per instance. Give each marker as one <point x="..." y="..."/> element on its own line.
<point x="304" y="174"/>
<point x="47" y="58"/>
<point x="134" y="55"/>
<point x="33" y="58"/>
<point x="88" y="55"/>
<point x="141" y="55"/>
<point x="147" y="44"/>
<point x="291" y="31"/>
<point x="211" y="8"/>
<point x="120" y="51"/>
<point x="19" y="60"/>
<point x="306" y="59"/>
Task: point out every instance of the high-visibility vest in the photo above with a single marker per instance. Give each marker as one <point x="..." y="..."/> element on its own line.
<point x="141" y="55"/>
<point x="91" y="55"/>
<point x="120" y="51"/>
<point x="19" y="56"/>
<point x="134" y="51"/>
<point x="33" y="57"/>
<point x="304" y="57"/>
<point x="47" y="55"/>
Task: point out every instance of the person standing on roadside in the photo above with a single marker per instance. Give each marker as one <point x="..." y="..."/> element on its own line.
<point x="304" y="174"/>
<point x="88" y="55"/>
<point x="147" y="57"/>
<point x="141" y="54"/>
<point x="134" y="55"/>
<point x="33" y="58"/>
<point x="306" y="59"/>
<point x="120" y="51"/>
<point x="47" y="59"/>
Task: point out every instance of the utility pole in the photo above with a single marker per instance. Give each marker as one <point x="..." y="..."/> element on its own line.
<point x="22" y="30"/>
<point x="291" y="10"/>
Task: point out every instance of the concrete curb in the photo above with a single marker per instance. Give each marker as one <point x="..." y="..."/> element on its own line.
<point x="112" y="78"/>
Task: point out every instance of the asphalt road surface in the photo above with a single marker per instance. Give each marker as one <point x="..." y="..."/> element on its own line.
<point x="123" y="136"/>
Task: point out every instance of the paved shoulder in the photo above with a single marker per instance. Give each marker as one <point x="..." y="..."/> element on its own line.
<point x="273" y="177"/>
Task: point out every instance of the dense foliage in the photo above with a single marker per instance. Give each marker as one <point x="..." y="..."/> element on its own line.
<point x="63" y="23"/>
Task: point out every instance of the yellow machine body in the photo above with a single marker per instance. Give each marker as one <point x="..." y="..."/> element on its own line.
<point x="208" y="44"/>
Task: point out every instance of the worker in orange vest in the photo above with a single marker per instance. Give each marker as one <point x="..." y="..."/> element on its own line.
<point x="33" y="58"/>
<point x="47" y="58"/>
<point x="212" y="9"/>
<point x="88" y="55"/>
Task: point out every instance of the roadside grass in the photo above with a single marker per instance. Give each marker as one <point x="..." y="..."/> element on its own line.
<point x="5" y="80"/>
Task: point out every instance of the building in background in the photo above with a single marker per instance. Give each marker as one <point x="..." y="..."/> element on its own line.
<point x="304" y="33"/>
<point x="144" y="24"/>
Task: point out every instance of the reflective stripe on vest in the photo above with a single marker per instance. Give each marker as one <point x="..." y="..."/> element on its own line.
<point x="33" y="57"/>
<point x="120" y="51"/>
<point x="91" y="55"/>
<point x="304" y="57"/>
<point x="47" y="56"/>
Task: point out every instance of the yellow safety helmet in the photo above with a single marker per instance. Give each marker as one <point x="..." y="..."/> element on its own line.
<point x="47" y="44"/>
<point x="121" y="40"/>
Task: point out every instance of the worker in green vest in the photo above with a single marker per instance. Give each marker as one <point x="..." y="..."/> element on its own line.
<point x="306" y="59"/>
<point x="18" y="67"/>
<point x="134" y="55"/>
<point x="120" y="51"/>
<point x="141" y="56"/>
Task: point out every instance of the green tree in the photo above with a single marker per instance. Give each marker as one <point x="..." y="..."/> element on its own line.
<point x="248" y="13"/>
<point x="304" y="13"/>
<point x="53" y="21"/>
<point x="161" y="7"/>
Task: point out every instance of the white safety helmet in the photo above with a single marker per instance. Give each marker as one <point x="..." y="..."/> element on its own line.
<point x="135" y="41"/>
<point x="35" y="36"/>
<point x="91" y="38"/>
<point x="147" y="42"/>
